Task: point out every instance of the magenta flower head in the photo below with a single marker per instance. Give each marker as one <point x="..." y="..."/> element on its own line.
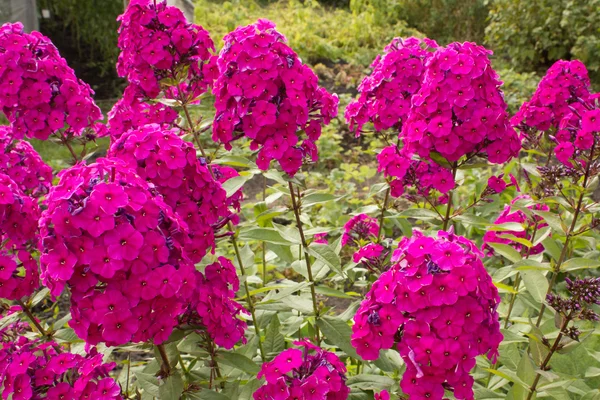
<point x="307" y="372"/>
<point x="40" y="94"/>
<point x="460" y="109"/>
<point x="161" y="157"/>
<point x="566" y="85"/>
<point x="361" y="227"/>
<point x="519" y="213"/>
<point x="385" y="95"/>
<point x="265" y="93"/>
<point x="32" y="369"/>
<point x="438" y="304"/>
<point x="20" y="161"/>
<point x="158" y="43"/>
<point x="111" y="239"/>
<point x="19" y="214"/>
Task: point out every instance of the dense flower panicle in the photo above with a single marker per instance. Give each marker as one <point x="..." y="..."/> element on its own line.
<point x="119" y="249"/>
<point x="264" y="92"/>
<point x="565" y="85"/>
<point x="438" y="303"/>
<point x="36" y="369"/>
<point x="215" y="304"/>
<point x="40" y="93"/>
<point x="161" y="157"/>
<point x="460" y="109"/>
<point x="158" y="43"/>
<point x="131" y="112"/>
<point x="20" y="161"/>
<point x="361" y="227"/>
<point x="19" y="214"/>
<point x="385" y="94"/>
<point x="308" y="372"/>
<point x="530" y="224"/>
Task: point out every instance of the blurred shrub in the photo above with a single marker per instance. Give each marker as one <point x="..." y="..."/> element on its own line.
<point x="319" y="34"/>
<point x="531" y="35"/>
<point x="518" y="87"/>
<point x="443" y="20"/>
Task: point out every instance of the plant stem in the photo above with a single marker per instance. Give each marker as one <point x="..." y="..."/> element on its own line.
<point x="447" y="218"/>
<point x="248" y="296"/>
<point x="29" y="314"/>
<point x="569" y="233"/>
<point x="381" y="217"/>
<point x="544" y="364"/>
<point x="313" y="292"/>
<point x="165" y="365"/>
<point x="264" y="244"/>
<point x="66" y="143"/>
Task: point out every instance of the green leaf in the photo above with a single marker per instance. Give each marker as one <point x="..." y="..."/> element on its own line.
<point x="506" y="251"/>
<point x="337" y="332"/>
<point x="171" y="388"/>
<point x="238" y="361"/>
<point x="507" y="226"/>
<point x="579" y="263"/>
<point x="148" y="382"/>
<point x="552" y="220"/>
<point x="370" y="382"/>
<point x="536" y="284"/>
<point x="274" y="341"/>
<point x="324" y="253"/>
<point x="268" y="235"/>
<point x="420" y="213"/>
<point x="206" y="394"/>
<point x="317" y="198"/>
<point x="329" y="292"/>
<point x="528" y="264"/>
<point x="235" y="161"/>
<point x="234" y="184"/>
<point x="551" y="248"/>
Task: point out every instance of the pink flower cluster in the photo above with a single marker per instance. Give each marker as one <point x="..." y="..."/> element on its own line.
<point x="224" y="173"/>
<point x="579" y="131"/>
<point x="23" y="164"/>
<point x="385" y="95"/>
<point x="383" y="395"/>
<point x="36" y="369"/>
<point x="531" y="222"/>
<point x="19" y="214"/>
<point x="265" y="93"/>
<point x="119" y="249"/>
<point x="565" y="83"/>
<point x="158" y="43"/>
<point x="359" y="228"/>
<point x="131" y="112"/>
<point x="161" y="157"/>
<point x="460" y="109"/>
<point x="405" y="173"/>
<point x="214" y="303"/>
<point x="309" y="373"/>
<point x="40" y="93"/>
<point x="438" y="303"/>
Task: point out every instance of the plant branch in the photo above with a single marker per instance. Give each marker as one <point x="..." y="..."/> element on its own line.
<point x="383" y="208"/>
<point x="30" y="315"/>
<point x="165" y="365"/>
<point x="65" y="141"/>
<point x="447" y="218"/>
<point x="313" y="292"/>
<point x="248" y="296"/>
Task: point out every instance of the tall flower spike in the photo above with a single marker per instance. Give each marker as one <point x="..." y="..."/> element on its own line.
<point x="118" y="247"/>
<point x="438" y="303"/>
<point x="265" y="93"/>
<point x="40" y="94"/>
<point x="158" y="43"/>
<point x="460" y="109"/>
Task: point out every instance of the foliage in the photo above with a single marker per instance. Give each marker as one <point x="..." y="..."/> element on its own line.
<point x="356" y="38"/>
<point x="221" y="268"/>
<point x="532" y="35"/>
